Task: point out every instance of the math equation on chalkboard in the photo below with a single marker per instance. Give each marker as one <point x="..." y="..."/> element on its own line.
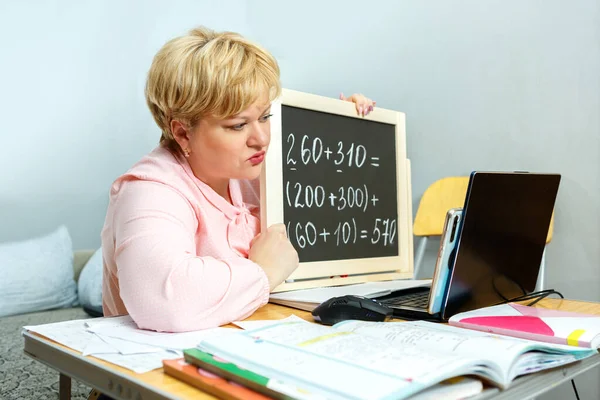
<point x="340" y="185"/>
<point x="347" y="232"/>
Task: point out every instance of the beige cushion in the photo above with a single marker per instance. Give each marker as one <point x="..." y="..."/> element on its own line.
<point x="80" y="257"/>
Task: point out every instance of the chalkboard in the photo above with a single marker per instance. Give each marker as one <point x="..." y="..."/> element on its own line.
<point x="341" y="185"/>
<point x="339" y="178"/>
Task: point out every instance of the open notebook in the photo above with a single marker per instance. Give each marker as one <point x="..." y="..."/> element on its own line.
<point x="375" y="360"/>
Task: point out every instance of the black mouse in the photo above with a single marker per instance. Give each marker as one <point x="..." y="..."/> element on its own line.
<point x="347" y="307"/>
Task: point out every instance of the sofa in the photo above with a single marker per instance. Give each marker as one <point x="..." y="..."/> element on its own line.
<point x="22" y="377"/>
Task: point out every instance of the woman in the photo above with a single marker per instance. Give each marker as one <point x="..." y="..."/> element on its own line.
<point x="180" y="243"/>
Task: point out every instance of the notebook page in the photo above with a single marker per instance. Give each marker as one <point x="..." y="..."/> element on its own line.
<point x="407" y="362"/>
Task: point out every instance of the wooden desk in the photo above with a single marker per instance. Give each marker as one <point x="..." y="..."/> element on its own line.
<point x="121" y="383"/>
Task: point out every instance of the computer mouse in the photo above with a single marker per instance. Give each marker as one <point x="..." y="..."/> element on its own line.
<point x="347" y="307"/>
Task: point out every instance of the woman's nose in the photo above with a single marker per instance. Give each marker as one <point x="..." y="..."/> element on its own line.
<point x="260" y="135"/>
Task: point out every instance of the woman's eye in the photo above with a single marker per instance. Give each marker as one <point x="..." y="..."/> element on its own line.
<point x="237" y="127"/>
<point x="265" y="118"/>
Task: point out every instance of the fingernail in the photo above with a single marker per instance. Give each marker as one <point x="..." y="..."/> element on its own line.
<point x="370" y="108"/>
<point x="360" y="111"/>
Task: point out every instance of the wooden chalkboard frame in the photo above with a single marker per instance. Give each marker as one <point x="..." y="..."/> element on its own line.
<point x="319" y="273"/>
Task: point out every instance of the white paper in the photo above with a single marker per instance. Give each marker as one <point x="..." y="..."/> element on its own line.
<point x="139" y="363"/>
<point x="369" y="289"/>
<point x="127" y="330"/>
<point x="140" y="354"/>
<point x="98" y="346"/>
<point x="126" y="347"/>
<point x="462" y="388"/>
<point x="251" y="325"/>
<point x="110" y="322"/>
<point x="68" y="333"/>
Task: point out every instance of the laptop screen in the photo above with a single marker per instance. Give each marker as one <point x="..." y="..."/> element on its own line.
<point x="503" y="233"/>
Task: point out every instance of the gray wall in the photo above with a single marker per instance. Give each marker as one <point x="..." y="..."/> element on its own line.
<point x="485" y="84"/>
<point x="497" y="85"/>
<point x="72" y="76"/>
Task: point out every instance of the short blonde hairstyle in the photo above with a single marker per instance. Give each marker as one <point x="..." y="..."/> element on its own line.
<point x="207" y="73"/>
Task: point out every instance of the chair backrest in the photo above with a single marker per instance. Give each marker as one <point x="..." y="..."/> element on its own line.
<point x="550" y="229"/>
<point x="438" y="198"/>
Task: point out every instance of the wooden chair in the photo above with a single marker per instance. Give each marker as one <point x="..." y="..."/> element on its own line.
<point x="437" y="199"/>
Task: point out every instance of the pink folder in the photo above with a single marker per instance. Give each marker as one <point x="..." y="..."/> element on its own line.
<point x="540" y="324"/>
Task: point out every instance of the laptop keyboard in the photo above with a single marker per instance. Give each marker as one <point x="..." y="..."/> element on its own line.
<point x="416" y="300"/>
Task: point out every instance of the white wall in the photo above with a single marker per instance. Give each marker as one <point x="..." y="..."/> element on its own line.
<point x="485" y="84"/>
<point x="72" y="76"/>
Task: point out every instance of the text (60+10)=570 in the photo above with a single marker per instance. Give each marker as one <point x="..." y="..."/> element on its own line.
<point x="383" y="232"/>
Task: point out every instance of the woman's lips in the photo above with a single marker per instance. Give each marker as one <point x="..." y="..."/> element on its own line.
<point x="257" y="158"/>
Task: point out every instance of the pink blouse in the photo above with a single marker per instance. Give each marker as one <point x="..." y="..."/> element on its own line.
<point x="175" y="252"/>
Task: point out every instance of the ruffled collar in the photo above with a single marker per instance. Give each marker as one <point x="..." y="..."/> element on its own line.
<point x="243" y="224"/>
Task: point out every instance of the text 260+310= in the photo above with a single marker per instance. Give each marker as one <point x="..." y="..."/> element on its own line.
<point x="313" y="150"/>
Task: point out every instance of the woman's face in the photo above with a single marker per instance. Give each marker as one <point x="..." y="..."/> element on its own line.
<point x="233" y="148"/>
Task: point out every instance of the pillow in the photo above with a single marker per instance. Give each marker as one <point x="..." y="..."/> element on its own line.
<point x="89" y="285"/>
<point x="37" y="274"/>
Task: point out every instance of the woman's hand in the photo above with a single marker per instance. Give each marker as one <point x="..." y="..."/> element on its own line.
<point x="364" y="105"/>
<point x="274" y="253"/>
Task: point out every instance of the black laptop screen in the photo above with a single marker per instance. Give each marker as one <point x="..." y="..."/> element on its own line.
<point x="505" y="223"/>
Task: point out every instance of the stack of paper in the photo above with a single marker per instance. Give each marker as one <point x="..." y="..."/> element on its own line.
<point x="119" y="341"/>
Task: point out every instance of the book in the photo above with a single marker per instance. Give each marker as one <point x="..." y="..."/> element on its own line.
<point x="451" y="389"/>
<point x="376" y="360"/>
<point x="309" y="299"/>
<point x="271" y="387"/>
<point x="461" y="387"/>
<point x="541" y="324"/>
<point x="210" y="383"/>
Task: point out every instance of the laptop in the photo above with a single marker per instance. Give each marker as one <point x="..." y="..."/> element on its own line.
<point x="501" y="239"/>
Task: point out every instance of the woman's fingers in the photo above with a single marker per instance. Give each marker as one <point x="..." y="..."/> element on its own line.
<point x="363" y="104"/>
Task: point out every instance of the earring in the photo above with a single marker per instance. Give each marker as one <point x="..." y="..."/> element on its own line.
<point x="186" y="153"/>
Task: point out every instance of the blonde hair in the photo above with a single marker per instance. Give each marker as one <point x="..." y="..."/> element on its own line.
<point x="207" y="73"/>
